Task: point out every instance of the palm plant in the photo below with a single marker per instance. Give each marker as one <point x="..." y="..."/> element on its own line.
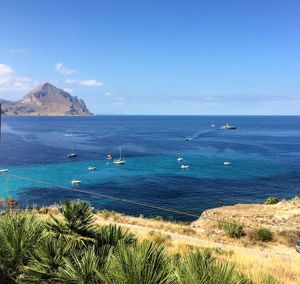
<point x="71" y="245"/>
<point x="83" y="269"/>
<point x="142" y="263"/>
<point x="198" y="268"/>
<point x="19" y="234"/>
<point x="112" y="235"/>
<point x="45" y="261"/>
<point x="77" y="227"/>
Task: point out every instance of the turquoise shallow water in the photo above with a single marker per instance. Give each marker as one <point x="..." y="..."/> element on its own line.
<point x="263" y="152"/>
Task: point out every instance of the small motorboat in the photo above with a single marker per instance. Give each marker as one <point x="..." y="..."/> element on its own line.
<point x="109" y="157"/>
<point x="76" y="181"/>
<point x="226" y="163"/>
<point x="2" y="171"/>
<point x="213" y="125"/>
<point x="188" y="139"/>
<point x="179" y="159"/>
<point x="227" y="127"/>
<point x="72" y="155"/>
<point x="91" y="168"/>
<point x="184" y="167"/>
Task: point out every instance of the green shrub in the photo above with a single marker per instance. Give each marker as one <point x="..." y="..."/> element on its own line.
<point x="233" y="229"/>
<point x="271" y="200"/>
<point x="264" y="235"/>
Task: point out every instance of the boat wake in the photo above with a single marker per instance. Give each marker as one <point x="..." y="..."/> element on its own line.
<point x="201" y="134"/>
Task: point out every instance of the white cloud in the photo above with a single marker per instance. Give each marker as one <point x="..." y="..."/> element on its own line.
<point x="71" y="81"/>
<point x="108" y="94"/>
<point x="62" y="69"/>
<point x="90" y="83"/>
<point x="69" y="90"/>
<point x="10" y="82"/>
<point x="17" y="50"/>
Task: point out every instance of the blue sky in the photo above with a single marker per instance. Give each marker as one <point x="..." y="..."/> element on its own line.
<point x="158" y="56"/>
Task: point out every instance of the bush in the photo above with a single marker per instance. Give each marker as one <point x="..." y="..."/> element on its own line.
<point x="271" y="200"/>
<point x="233" y="229"/>
<point x="264" y="235"/>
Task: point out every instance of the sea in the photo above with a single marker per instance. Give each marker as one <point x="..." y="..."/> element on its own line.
<point x="263" y="155"/>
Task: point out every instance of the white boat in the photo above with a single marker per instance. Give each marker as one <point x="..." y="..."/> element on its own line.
<point x="109" y="157"/>
<point x="179" y="159"/>
<point x="3" y="171"/>
<point x="76" y="181"/>
<point x="226" y="163"/>
<point x="188" y="139"/>
<point x="227" y="127"/>
<point x="213" y="125"/>
<point x="91" y="168"/>
<point x="72" y="155"/>
<point x="184" y="167"/>
<point x="119" y="161"/>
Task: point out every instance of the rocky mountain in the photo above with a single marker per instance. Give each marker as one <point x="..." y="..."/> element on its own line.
<point x="46" y="99"/>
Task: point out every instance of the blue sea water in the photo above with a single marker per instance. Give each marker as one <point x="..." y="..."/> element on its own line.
<point x="264" y="152"/>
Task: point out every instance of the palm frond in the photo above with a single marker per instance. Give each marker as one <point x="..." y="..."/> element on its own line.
<point x="143" y="263"/>
<point x="19" y="234"/>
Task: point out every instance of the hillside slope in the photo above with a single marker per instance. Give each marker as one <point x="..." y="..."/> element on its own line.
<point x="46" y="99"/>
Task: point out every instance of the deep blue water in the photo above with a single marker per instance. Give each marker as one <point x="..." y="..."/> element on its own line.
<point x="264" y="153"/>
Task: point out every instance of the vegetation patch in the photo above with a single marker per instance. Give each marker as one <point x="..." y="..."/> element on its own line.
<point x="271" y="200"/>
<point x="264" y="235"/>
<point x="72" y="248"/>
<point x="233" y="229"/>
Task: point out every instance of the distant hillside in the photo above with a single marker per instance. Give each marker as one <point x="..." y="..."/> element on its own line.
<point x="46" y="99"/>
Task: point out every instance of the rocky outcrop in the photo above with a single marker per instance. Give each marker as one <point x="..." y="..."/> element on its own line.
<point x="46" y="99"/>
<point x="284" y="215"/>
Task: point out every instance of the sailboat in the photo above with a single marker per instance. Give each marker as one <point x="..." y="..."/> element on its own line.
<point x="119" y="161"/>
<point x="73" y="153"/>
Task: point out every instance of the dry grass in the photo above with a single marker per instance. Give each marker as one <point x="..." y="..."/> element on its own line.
<point x="155" y="223"/>
<point x="257" y="268"/>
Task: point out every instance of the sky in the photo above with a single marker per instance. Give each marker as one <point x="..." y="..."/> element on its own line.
<point x="156" y="57"/>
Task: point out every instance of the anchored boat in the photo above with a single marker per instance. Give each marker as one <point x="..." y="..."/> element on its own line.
<point x="184" y="167"/>
<point x="76" y="181"/>
<point x="227" y="127"/>
<point x="119" y="161"/>
<point x="72" y="155"/>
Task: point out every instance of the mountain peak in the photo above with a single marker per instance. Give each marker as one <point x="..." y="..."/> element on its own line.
<point x="42" y="87"/>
